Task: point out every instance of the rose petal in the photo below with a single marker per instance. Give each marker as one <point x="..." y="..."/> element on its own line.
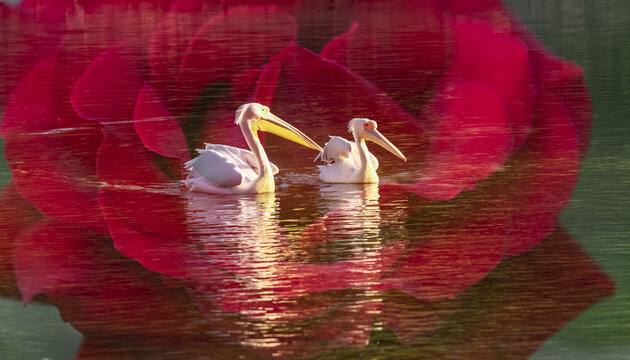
<point x="33" y="266"/>
<point x="145" y="212"/>
<point x="413" y="320"/>
<point x="484" y="54"/>
<point x="15" y="216"/>
<point x="59" y="186"/>
<point x="40" y="105"/>
<point x="219" y="124"/>
<point x="337" y="49"/>
<point x="267" y="83"/>
<point x="48" y="12"/>
<point x="233" y="41"/>
<point x="73" y="56"/>
<point x="453" y="245"/>
<point x="575" y="96"/>
<point x="169" y="42"/>
<point x="471" y="141"/>
<point x="108" y="89"/>
<point x="566" y="81"/>
<point x="172" y="257"/>
<point x="157" y="128"/>
<point x="97" y="290"/>
<point x="525" y="301"/>
<point x="402" y="51"/>
<point x="31" y="30"/>
<point x="542" y="175"/>
<point x="135" y="188"/>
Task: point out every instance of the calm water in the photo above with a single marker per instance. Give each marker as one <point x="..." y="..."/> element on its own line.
<point x="299" y="273"/>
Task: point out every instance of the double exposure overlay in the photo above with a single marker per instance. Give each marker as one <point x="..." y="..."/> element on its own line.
<point x="455" y="254"/>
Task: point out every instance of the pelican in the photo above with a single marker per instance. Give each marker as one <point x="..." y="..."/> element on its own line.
<point x="223" y="169"/>
<point x="351" y="162"/>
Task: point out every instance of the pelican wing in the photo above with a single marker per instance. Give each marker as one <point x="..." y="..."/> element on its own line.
<point x="219" y="168"/>
<point x="245" y="155"/>
<point x="337" y="148"/>
<point x="340" y="149"/>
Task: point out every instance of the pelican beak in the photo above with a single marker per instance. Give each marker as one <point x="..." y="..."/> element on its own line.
<point x="378" y="138"/>
<point x="273" y="124"/>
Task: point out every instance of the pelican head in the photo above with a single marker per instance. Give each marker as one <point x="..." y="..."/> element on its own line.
<point x="258" y="118"/>
<point x="363" y="128"/>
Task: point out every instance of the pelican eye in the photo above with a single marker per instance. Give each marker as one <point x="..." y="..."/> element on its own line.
<point x="369" y="126"/>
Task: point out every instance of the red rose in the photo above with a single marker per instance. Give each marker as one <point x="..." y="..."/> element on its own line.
<point x="493" y="125"/>
<point x="126" y="311"/>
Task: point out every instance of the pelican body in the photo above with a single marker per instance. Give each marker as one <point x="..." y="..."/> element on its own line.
<point x="351" y="162"/>
<point x="222" y="169"/>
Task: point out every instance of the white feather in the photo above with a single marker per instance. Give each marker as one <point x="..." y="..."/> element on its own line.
<point x="343" y="161"/>
<point x="222" y="167"/>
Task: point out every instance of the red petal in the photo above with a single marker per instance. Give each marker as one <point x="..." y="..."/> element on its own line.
<point x="525" y="301"/>
<point x="47" y="167"/>
<point x="15" y="216"/>
<point x="575" y="96"/>
<point x="453" y="245"/>
<point x="233" y="41"/>
<point x="135" y="188"/>
<point x="173" y="257"/>
<point x="170" y="40"/>
<point x="33" y="267"/>
<point x="542" y="175"/>
<point x="337" y="48"/>
<point x="471" y="141"/>
<point x="36" y="87"/>
<point x="30" y="31"/>
<point x="97" y="290"/>
<point x="566" y="81"/>
<point x="267" y="83"/>
<point x="144" y="210"/>
<point x="219" y="126"/>
<point x="108" y="89"/>
<point x="73" y="56"/>
<point x="402" y="50"/>
<point x="413" y="320"/>
<point x="484" y="54"/>
<point x="157" y="128"/>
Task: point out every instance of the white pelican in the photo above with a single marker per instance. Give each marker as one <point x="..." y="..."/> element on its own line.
<point x="226" y="169"/>
<point x="351" y="162"/>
